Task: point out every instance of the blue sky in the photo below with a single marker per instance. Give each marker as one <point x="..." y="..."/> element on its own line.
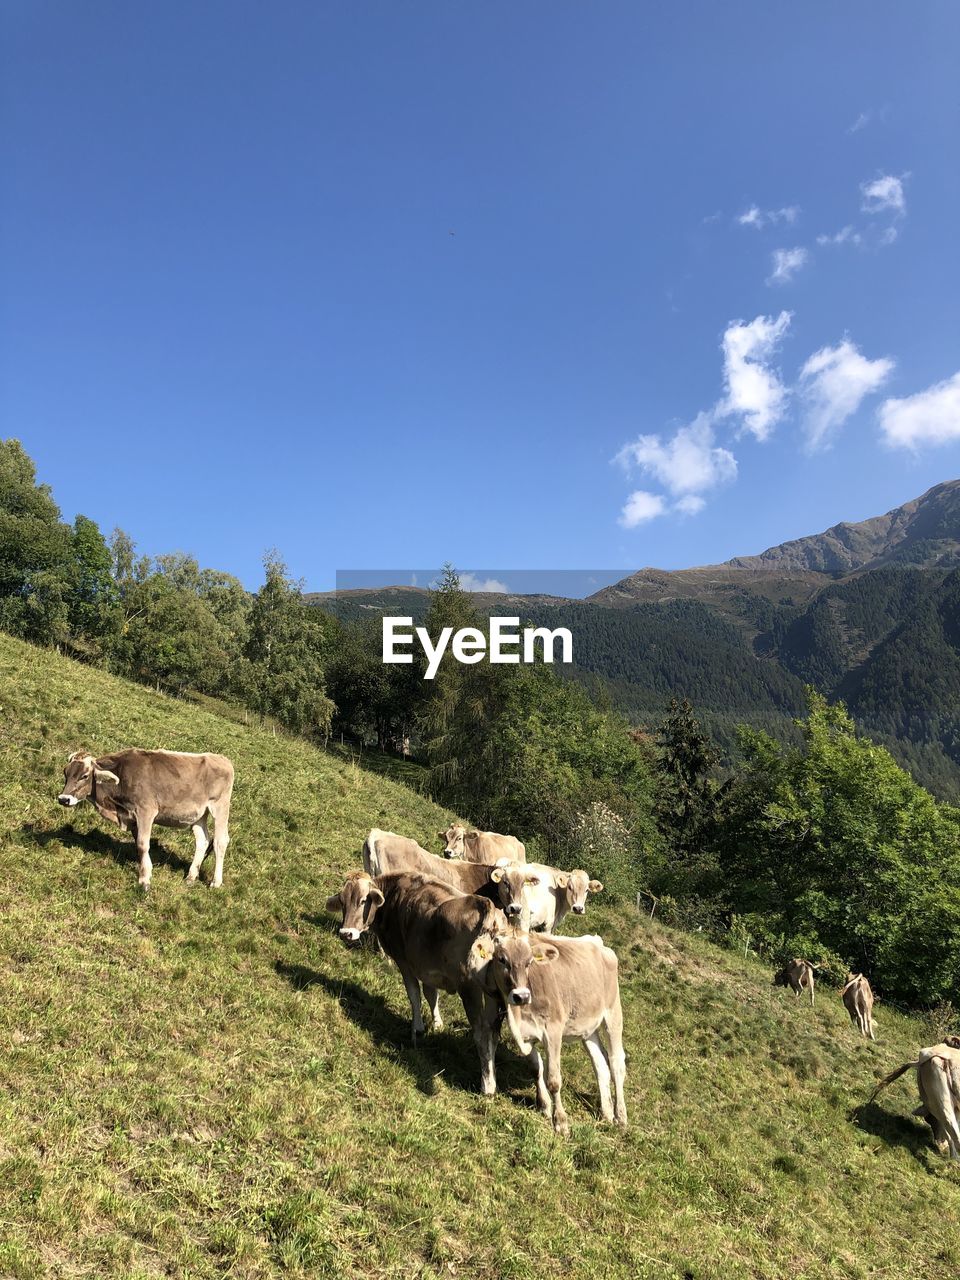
<point x="398" y="283"/>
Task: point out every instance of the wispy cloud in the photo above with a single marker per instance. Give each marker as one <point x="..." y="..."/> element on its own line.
<point x="492" y="586"/>
<point x="861" y="122"/>
<point x="884" y="195"/>
<point x="754" y="391"/>
<point x="641" y="507"/>
<point x="834" y="382"/>
<point x="785" y="263"/>
<point x="846" y="235"/>
<point x="931" y="417"/>
<point x="759" y="218"/>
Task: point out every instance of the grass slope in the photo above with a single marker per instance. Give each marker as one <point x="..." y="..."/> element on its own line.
<point x="206" y="1084"/>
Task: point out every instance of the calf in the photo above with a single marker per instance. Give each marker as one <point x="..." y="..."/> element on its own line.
<point x="796" y="974"/>
<point x="857" y="999"/>
<point x="558" y="989"/>
<point x="435" y="935"/>
<point x="481" y="846"/>
<point x="938" y="1083"/>
<point x="136" y="789"/>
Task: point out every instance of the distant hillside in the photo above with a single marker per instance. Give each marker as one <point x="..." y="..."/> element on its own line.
<point x="202" y="1084"/>
<point x="867" y="612"/>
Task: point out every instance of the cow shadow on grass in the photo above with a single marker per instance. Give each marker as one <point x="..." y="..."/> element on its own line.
<point x="449" y="1053"/>
<point x="897" y="1130"/>
<point x="120" y="848"/>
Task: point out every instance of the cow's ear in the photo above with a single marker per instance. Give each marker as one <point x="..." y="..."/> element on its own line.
<point x="441" y="835"/>
<point x="375" y="896"/>
<point x="545" y="954"/>
<point x="496" y="875"/>
<point x="534" y="879"/>
<point x="562" y="880"/>
<point x="595" y="886"/>
<point x="104" y="775"/>
<point x="335" y="903"/>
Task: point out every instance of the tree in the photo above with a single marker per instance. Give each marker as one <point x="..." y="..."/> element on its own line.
<point x="285" y="655"/>
<point x="35" y="552"/>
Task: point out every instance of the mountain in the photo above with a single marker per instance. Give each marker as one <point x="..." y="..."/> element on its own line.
<point x="866" y="612"/>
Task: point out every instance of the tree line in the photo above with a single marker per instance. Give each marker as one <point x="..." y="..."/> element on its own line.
<point x="821" y="846"/>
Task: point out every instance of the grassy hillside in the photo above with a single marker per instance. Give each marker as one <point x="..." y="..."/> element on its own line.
<point x="205" y="1084"/>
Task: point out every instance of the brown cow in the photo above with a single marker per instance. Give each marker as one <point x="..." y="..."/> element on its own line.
<point x="857" y="999"/>
<point x="560" y="893"/>
<point x="435" y="936"/>
<point x="796" y="974"/>
<point x="136" y="789"/>
<point x="938" y="1083"/>
<point x="558" y="989"/>
<point x="509" y="886"/>
<point x="481" y="846"/>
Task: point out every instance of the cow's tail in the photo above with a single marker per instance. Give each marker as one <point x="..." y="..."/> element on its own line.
<point x="894" y="1075"/>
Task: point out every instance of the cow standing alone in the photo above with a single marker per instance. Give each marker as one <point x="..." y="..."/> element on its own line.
<point x="857" y="998"/>
<point x="136" y="789"/>
<point x="796" y="974"/>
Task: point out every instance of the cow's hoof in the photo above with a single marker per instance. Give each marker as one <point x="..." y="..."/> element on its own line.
<point x="190" y="880"/>
<point x="216" y="884"/>
<point x="144" y="887"/>
<point x="561" y="1128"/>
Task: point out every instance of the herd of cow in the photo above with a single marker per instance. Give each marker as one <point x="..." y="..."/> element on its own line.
<point x="477" y="920"/>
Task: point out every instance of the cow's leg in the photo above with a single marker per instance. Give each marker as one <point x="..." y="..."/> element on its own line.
<point x="613" y="1033"/>
<point x="221" y="838"/>
<point x="483" y="1014"/>
<point x="552" y="1045"/>
<point x="144" y="829"/>
<point x="432" y="997"/>
<point x="544" y="1101"/>
<point x="602" y="1068"/>
<point x="201" y="843"/>
<point x="413" y="995"/>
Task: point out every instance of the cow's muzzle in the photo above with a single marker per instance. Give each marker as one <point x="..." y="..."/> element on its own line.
<point x="350" y="936"/>
<point x="578" y="911"/>
<point x="66" y="800"/>
<point x="513" y="909"/>
<point x="520" y="995"/>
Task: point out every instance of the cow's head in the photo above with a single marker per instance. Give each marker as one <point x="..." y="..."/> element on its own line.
<point x="577" y="884"/>
<point x="80" y="777"/>
<point x="358" y="900"/>
<point x="453" y="840"/>
<point x="513" y="954"/>
<point x="511" y="880"/>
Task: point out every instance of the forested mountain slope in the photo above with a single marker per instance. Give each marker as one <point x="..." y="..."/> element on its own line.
<point x="199" y="1084"/>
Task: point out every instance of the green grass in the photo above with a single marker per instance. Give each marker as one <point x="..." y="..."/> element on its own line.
<point x="206" y="1084"/>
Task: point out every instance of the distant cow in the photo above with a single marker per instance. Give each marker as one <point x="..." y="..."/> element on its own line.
<point x="514" y="888"/>
<point x="136" y="789"/>
<point x="558" y="893"/>
<point x="938" y="1083"/>
<point x="435" y="936"/>
<point x="796" y="974"/>
<point x="857" y="999"/>
<point x="481" y="846"/>
<point x="558" y="989"/>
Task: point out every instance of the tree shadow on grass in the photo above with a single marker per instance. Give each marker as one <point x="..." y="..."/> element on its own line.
<point x="897" y="1130"/>
<point x="449" y="1053"/>
<point x="120" y="847"/>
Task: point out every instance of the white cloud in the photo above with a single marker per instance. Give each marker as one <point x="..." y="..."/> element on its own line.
<point x="833" y="384"/>
<point x="861" y="122"/>
<point x="846" y="235"/>
<point x="687" y="464"/>
<point x="640" y="507"/>
<point x="930" y="417"/>
<point x="754" y="392"/>
<point x="786" y="263"/>
<point x="757" y="217"/>
<point x="493" y="586"/>
<point x="884" y="195"/>
<point x="691" y="505"/>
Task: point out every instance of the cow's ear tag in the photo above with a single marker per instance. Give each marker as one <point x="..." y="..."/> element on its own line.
<point x="481" y="951"/>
